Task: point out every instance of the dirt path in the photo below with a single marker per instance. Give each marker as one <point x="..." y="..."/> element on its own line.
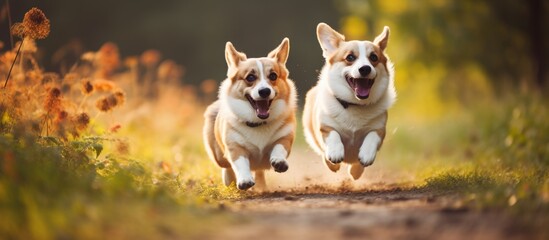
<point x="372" y="208"/>
<point x="388" y="214"/>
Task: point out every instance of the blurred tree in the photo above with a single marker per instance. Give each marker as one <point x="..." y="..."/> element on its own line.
<point x="505" y="38"/>
<point x="192" y="33"/>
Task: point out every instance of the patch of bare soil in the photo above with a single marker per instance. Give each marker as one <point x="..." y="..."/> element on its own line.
<point x="367" y="209"/>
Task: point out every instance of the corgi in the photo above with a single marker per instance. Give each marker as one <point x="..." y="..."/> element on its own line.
<point x="345" y="114"/>
<point x="251" y="127"/>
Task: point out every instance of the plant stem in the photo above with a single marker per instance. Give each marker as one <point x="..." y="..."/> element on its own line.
<point x="13" y="63"/>
<point x="9" y="22"/>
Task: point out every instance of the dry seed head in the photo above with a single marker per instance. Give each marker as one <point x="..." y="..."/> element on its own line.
<point x="52" y="102"/>
<point x="17" y="29"/>
<point x="113" y="102"/>
<point x="108" y="59"/>
<point x="102" y="85"/>
<point x="36" y="25"/>
<point x="115" y="128"/>
<point x="54" y="93"/>
<point x="120" y="97"/>
<point x="103" y="104"/>
<point x="82" y="120"/>
<point x="62" y="115"/>
<point x="87" y="87"/>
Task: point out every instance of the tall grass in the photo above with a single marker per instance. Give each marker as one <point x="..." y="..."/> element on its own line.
<point x="108" y="148"/>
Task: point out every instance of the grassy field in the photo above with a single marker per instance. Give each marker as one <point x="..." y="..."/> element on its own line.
<point x="113" y="148"/>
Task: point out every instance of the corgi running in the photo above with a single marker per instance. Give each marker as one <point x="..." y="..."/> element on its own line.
<point x="346" y="112"/>
<point x="251" y="126"/>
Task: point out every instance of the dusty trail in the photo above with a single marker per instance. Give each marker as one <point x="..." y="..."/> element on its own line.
<point x="371" y="208"/>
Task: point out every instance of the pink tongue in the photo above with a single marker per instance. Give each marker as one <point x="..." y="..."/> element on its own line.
<point x="262" y="109"/>
<point x="362" y="88"/>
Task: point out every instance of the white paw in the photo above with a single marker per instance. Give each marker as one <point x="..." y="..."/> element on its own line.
<point x="367" y="156"/>
<point x="279" y="164"/>
<point x="245" y="183"/>
<point x="335" y="151"/>
<point x="278" y="158"/>
<point x="244" y="178"/>
<point x="368" y="150"/>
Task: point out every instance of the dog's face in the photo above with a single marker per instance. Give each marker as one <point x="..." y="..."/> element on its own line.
<point x="259" y="81"/>
<point x="357" y="70"/>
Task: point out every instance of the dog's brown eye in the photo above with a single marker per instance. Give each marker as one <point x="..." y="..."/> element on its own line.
<point x="251" y="78"/>
<point x="350" y="58"/>
<point x="272" y="76"/>
<point x="373" y="57"/>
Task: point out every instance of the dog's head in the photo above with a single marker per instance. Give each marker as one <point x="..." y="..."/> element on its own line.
<point x="259" y="81"/>
<point x="358" y="71"/>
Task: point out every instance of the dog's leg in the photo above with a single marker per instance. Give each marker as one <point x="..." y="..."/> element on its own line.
<point x="331" y="166"/>
<point x="356" y="170"/>
<point x="260" y="180"/>
<point x="368" y="150"/>
<point x="280" y="152"/>
<point x="334" y="151"/>
<point x="278" y="158"/>
<point x="228" y="176"/>
<point x="244" y="178"/>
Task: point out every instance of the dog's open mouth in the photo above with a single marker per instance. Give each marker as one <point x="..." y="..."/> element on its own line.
<point x="261" y="106"/>
<point x="361" y="86"/>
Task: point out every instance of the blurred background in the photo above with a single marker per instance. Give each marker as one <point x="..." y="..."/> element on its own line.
<point x="468" y="47"/>
<point x="108" y="110"/>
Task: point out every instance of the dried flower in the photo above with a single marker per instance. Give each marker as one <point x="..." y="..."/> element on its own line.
<point x="62" y="115"/>
<point x="108" y="59"/>
<point x="52" y="103"/>
<point x="103" y="105"/>
<point x="17" y="29"/>
<point x="36" y="25"/>
<point x="102" y="85"/>
<point x="81" y="121"/>
<point x="87" y="87"/>
<point x="55" y="93"/>
<point x="120" y="97"/>
<point x="115" y="128"/>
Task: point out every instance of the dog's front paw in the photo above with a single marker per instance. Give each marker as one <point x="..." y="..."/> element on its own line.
<point x="368" y="150"/>
<point x="245" y="184"/>
<point x="367" y="153"/>
<point x="335" y="153"/>
<point x="279" y="165"/>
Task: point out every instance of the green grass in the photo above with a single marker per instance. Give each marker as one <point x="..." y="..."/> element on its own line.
<point x="499" y="158"/>
<point x="493" y="156"/>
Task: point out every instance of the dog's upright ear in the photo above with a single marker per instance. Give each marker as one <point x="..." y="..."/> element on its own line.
<point x="233" y="56"/>
<point x="328" y="38"/>
<point x="280" y="54"/>
<point x="382" y="39"/>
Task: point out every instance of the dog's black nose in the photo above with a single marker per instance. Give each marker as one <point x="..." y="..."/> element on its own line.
<point x="364" y="70"/>
<point x="265" y="92"/>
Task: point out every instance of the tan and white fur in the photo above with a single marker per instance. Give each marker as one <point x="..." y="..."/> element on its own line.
<point x="345" y="114"/>
<point x="251" y="127"/>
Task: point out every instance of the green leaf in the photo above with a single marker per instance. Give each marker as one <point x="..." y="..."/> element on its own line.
<point x="98" y="148"/>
